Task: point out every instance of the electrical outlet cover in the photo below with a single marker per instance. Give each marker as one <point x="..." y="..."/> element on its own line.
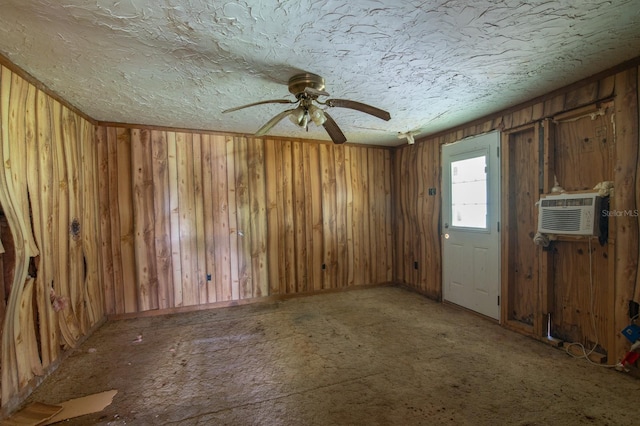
<point x="631" y="332"/>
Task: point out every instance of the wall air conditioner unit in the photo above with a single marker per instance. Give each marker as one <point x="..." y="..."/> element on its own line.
<point x="570" y="214"/>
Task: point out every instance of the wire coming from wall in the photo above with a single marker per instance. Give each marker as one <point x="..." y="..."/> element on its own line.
<point x="586" y="354"/>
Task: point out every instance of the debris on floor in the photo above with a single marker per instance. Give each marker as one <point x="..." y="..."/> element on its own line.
<point x="38" y="413"/>
<point x="83" y="405"/>
<point x="33" y="414"/>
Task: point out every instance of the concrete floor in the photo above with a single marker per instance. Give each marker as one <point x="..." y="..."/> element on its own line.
<point x="380" y="356"/>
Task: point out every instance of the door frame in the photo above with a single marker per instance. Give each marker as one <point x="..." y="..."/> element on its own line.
<point x="494" y="212"/>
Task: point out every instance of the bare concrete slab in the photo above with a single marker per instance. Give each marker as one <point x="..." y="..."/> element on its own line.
<point x="380" y="356"/>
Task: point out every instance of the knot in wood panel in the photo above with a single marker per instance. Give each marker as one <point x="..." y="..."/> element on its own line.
<point x="74" y="228"/>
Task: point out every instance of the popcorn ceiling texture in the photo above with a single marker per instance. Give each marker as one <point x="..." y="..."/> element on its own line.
<point x="431" y="64"/>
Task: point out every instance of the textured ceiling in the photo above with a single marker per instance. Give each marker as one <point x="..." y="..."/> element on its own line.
<point x="432" y="64"/>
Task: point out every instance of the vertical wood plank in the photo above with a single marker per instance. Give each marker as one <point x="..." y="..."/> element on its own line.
<point x="186" y="197"/>
<point x="114" y="220"/>
<point x="243" y="219"/>
<point x="330" y="243"/>
<point x="208" y="195"/>
<point x="390" y="245"/>
<point x="174" y="218"/>
<point x="37" y="200"/>
<point x="144" y="220"/>
<point x="357" y="218"/>
<point x="341" y="217"/>
<point x="436" y="220"/>
<point x="627" y="184"/>
<point x="279" y="153"/>
<point x="162" y="209"/>
<point x="74" y="285"/>
<point x="200" y="273"/>
<point x="419" y="216"/>
<point x="46" y="275"/>
<point x="313" y="273"/>
<point x="299" y="218"/>
<point x="10" y="372"/>
<point x="545" y="276"/>
<point x="68" y="324"/>
<point x="125" y="210"/>
<point x="289" y="231"/>
<point x="271" y="161"/>
<point x="350" y="250"/>
<point x="404" y="248"/>
<point x="398" y="219"/>
<point x="91" y="240"/>
<point x="221" y="221"/>
<point x="373" y="213"/>
<point x="258" y="214"/>
<point x="365" y="244"/>
<point x="234" y="252"/>
<point x="106" y="250"/>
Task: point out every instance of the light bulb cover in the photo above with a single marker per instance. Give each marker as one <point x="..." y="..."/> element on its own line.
<point x="305" y="119"/>
<point x="317" y="115"/>
<point x="297" y="115"/>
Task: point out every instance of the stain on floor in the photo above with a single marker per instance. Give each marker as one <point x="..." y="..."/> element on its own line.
<point x="381" y="356"/>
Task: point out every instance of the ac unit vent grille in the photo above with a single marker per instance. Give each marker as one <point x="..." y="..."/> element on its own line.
<point x="561" y="220"/>
<point x="570" y="214"/>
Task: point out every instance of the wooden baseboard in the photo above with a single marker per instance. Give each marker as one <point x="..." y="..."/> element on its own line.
<point x="231" y="303"/>
<point x="577" y="350"/>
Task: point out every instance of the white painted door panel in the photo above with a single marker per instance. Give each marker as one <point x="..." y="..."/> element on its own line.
<point x="470" y="234"/>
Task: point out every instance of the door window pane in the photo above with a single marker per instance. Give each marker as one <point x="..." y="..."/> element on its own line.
<point x="469" y="193"/>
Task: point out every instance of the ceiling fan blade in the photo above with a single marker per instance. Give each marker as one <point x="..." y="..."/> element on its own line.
<point x="333" y="130"/>
<point x="359" y="106"/>
<point x="275" y="120"/>
<point x="270" y="101"/>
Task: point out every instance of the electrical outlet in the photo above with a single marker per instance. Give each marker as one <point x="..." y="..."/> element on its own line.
<point x="415" y="265"/>
<point x="208" y="277"/>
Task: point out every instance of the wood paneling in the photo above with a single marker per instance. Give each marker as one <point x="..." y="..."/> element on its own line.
<point x="417" y="217"/>
<point x="258" y="216"/>
<point x="626" y="198"/>
<point x="49" y="192"/>
<point x="580" y="149"/>
<point x="520" y="189"/>
<point x="584" y="150"/>
<point x="130" y="219"/>
<point x="582" y="291"/>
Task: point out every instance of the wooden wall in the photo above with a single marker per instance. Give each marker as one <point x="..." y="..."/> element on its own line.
<point x="48" y="199"/>
<point x="125" y="220"/>
<point x="554" y="136"/>
<point x="190" y="219"/>
<point x="521" y="190"/>
<point x="416" y="169"/>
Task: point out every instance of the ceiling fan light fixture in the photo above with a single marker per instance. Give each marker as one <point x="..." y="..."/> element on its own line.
<point x="297" y="116"/>
<point x="317" y="115"/>
<point x="304" y="121"/>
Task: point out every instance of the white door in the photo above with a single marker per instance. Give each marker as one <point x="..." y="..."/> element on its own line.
<point x="470" y="223"/>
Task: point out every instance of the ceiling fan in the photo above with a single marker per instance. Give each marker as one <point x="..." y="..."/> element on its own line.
<point x="307" y="88"/>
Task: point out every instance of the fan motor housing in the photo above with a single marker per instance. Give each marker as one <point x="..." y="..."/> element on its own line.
<point x="299" y="82"/>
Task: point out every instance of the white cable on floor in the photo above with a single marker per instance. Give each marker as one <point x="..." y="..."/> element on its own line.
<point x="585" y="355"/>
